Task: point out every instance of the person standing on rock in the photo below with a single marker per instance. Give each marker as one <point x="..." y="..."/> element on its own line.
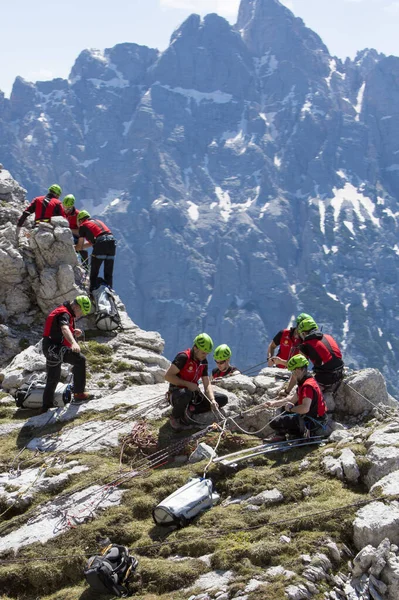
<point x="60" y="346"/>
<point x="288" y="341"/>
<point x="44" y="207"/>
<point x="323" y="351"/>
<point x="306" y="412"/>
<point x="183" y="375"/>
<point x="222" y="357"/>
<point x="100" y="237"/>
<point x="72" y="216"/>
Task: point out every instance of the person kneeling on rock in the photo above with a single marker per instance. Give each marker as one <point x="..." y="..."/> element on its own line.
<point x="222" y="357"/>
<point x="305" y="415"/>
<point x="183" y="375"/>
<point x="60" y="345"/>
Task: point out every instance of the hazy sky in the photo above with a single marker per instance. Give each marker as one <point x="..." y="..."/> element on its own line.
<point x="41" y="39"/>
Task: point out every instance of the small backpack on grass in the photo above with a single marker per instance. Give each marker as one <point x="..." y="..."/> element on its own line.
<point x="31" y="395"/>
<point x="106" y="313"/>
<point x="108" y="573"/>
<point x="185" y="503"/>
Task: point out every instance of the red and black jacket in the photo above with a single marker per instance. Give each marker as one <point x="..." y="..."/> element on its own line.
<point x="73" y="218"/>
<point x="190" y="369"/>
<point x="92" y="229"/>
<point x="62" y="315"/>
<point x="323" y="351"/>
<point x="309" y="388"/>
<point x="44" y="208"/>
<point x="216" y="373"/>
<point x="288" y="342"/>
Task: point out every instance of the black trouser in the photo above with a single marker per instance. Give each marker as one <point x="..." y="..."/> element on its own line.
<point x="295" y="424"/>
<point x="328" y="378"/>
<point x="182" y="398"/>
<point x="103" y="251"/>
<point x="55" y="355"/>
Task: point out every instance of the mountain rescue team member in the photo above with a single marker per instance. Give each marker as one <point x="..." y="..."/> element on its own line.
<point x="183" y="375"/>
<point x="100" y="237"/>
<point x="72" y="216"/>
<point x="280" y="361"/>
<point x="222" y="357"/>
<point x="288" y="340"/>
<point x="59" y="345"/>
<point x="323" y="351"/>
<point x="44" y="207"/>
<point x="306" y="412"/>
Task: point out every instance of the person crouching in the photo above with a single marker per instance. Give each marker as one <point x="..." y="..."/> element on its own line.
<point x="183" y="375"/>
<point x="305" y="412"/>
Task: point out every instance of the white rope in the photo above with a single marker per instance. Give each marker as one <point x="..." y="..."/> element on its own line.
<point x="215" y="448"/>
<point x="377" y="406"/>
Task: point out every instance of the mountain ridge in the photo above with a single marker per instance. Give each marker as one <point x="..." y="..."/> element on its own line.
<point x="267" y="188"/>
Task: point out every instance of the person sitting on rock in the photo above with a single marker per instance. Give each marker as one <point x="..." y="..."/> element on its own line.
<point x="324" y="353"/>
<point x="222" y="357"/>
<point x="305" y="413"/>
<point x="100" y="237"/>
<point x="60" y="346"/>
<point x="72" y="216"/>
<point x="183" y="375"/>
<point x="44" y="207"/>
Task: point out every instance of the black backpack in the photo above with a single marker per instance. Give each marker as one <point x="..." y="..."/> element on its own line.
<point x="108" y="573"/>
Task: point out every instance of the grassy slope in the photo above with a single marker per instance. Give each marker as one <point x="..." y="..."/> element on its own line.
<point x="216" y="532"/>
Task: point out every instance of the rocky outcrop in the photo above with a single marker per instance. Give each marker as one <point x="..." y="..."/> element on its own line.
<point x="223" y="156"/>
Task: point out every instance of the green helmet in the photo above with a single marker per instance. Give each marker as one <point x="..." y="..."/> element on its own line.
<point x="83" y="214"/>
<point x="222" y="352"/>
<point x="204" y="342"/>
<point x="55" y="189"/>
<point x="84" y="303"/>
<point x="301" y="317"/>
<point x="298" y="361"/>
<point x="308" y="324"/>
<point x="69" y="201"/>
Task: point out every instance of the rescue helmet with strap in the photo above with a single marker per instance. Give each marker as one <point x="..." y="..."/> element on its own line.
<point x="69" y="201"/>
<point x="83" y="214"/>
<point x="308" y="324"/>
<point x="222" y="352"/>
<point x="55" y="189"/>
<point x="299" y="361"/>
<point x="301" y="317"/>
<point x="203" y="342"/>
<point x="84" y="303"/>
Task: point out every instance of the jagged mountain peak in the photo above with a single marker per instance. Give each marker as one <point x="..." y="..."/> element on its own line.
<point x="205" y="54"/>
<point x="268" y="26"/>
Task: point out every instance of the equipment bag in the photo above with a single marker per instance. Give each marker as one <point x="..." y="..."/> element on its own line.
<point x="31" y="395"/>
<point x="106" y="314"/>
<point x="184" y="504"/>
<point x="108" y="573"/>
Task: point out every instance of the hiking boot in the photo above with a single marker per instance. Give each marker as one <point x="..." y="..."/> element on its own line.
<point x="178" y="424"/>
<point x="82" y="397"/>
<point x="274" y="439"/>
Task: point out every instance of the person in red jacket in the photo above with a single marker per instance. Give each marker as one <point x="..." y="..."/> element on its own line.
<point x="100" y="237"/>
<point x="44" y="207"/>
<point x="59" y="345"/>
<point x="222" y="357"/>
<point x="306" y="412"/>
<point x="287" y="340"/>
<point x="72" y="217"/>
<point x="183" y="375"/>
<point x="324" y="353"/>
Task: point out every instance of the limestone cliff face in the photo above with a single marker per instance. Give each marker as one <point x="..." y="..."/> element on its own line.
<point x="246" y="172"/>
